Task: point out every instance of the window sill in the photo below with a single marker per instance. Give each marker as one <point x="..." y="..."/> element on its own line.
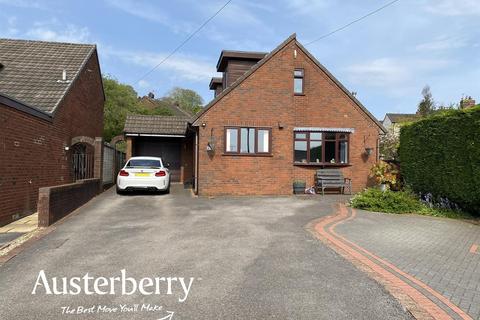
<point x="299" y="94"/>
<point x="314" y="164"/>
<point x="247" y="154"/>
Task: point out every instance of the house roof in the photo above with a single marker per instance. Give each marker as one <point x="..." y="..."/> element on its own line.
<point x="160" y="125"/>
<point x="176" y="110"/>
<point x="215" y="82"/>
<point x="32" y="72"/>
<point x="232" y="54"/>
<point x="401" y="117"/>
<point x="265" y="60"/>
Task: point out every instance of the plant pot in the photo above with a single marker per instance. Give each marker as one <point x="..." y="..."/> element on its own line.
<point x="299" y="187"/>
<point x="383" y="187"/>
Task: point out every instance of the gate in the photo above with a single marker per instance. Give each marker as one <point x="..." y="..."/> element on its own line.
<point x="82" y="162"/>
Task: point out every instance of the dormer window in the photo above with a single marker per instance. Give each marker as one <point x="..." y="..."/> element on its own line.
<point x="298" y="81"/>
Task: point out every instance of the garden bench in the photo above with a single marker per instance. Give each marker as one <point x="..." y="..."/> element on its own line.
<point x="331" y="178"/>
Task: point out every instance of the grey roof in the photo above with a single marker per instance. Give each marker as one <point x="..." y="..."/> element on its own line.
<point x="32" y="72"/>
<point x="401" y="117"/>
<point x="162" y="125"/>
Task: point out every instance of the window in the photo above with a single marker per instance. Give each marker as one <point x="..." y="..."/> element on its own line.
<point x="321" y="148"/>
<point x="298" y="81"/>
<point x="247" y="141"/>
<point x="231" y="139"/>
<point x="144" y="163"/>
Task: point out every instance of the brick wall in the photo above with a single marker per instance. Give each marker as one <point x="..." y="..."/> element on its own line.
<point x="57" y="202"/>
<point x="32" y="151"/>
<point x="266" y="99"/>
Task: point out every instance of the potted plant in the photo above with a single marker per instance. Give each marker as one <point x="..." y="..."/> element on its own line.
<point x="299" y="186"/>
<point x="384" y="174"/>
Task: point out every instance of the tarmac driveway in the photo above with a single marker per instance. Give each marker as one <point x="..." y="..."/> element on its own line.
<point x="251" y="258"/>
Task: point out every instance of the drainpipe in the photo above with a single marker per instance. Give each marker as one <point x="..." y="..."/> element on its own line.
<point x="196" y="161"/>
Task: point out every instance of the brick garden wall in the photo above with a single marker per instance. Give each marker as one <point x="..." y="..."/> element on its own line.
<point x="32" y="151"/>
<point x="57" y="202"/>
<point x="266" y="98"/>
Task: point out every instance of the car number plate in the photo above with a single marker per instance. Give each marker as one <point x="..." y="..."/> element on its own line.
<point x="142" y="174"/>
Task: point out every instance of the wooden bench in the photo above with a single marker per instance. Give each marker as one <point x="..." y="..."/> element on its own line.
<point x="331" y="178"/>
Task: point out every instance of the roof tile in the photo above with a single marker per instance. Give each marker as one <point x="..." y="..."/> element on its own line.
<point x="32" y="70"/>
<point x="148" y="124"/>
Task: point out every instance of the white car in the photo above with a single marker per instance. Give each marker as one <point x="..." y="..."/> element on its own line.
<point x="144" y="173"/>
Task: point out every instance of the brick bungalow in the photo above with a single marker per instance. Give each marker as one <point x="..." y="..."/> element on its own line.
<point x="276" y="117"/>
<point x="51" y="112"/>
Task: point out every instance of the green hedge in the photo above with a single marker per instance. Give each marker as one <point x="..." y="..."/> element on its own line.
<point x="441" y="155"/>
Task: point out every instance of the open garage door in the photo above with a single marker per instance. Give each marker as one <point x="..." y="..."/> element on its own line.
<point x="169" y="149"/>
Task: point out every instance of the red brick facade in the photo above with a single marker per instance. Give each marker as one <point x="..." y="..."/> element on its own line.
<point x="32" y="150"/>
<point x="265" y="98"/>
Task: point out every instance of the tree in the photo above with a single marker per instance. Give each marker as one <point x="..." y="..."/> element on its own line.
<point x="427" y="105"/>
<point x="187" y="99"/>
<point x="120" y="100"/>
<point x="389" y="144"/>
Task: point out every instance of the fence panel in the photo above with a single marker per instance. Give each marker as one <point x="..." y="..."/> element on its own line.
<point x="113" y="161"/>
<point x="108" y="164"/>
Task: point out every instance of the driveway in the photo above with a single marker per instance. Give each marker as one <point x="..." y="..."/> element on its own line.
<point x="251" y="258"/>
<point x="437" y="257"/>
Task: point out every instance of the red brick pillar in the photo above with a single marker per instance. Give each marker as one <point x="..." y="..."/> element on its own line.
<point x="128" y="154"/>
<point x="98" y="160"/>
<point x="43" y="207"/>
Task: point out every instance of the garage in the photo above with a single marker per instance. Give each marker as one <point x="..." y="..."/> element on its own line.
<point x="162" y="136"/>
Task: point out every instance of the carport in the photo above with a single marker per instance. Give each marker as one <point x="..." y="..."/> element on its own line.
<point x="162" y="136"/>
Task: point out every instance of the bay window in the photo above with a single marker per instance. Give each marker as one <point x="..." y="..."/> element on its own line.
<point x="245" y="140"/>
<point x="322" y="148"/>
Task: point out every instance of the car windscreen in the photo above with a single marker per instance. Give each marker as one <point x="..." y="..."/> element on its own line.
<point x="144" y="163"/>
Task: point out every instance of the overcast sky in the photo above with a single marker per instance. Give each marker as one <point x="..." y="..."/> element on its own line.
<point x="386" y="58"/>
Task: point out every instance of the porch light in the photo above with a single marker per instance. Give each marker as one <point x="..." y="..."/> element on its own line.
<point x="211" y="143"/>
<point x="368" y="151"/>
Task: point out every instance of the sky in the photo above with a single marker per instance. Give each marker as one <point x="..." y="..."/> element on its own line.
<point x="387" y="58"/>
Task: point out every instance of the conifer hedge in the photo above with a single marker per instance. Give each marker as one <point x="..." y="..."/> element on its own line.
<point x="441" y="155"/>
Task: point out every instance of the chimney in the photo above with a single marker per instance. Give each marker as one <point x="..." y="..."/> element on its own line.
<point x="467" y="102"/>
<point x="151" y="95"/>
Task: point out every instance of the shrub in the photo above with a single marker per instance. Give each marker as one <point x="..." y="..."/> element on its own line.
<point x="441" y="155"/>
<point x="384" y="173"/>
<point x="401" y="202"/>
<point x="387" y="201"/>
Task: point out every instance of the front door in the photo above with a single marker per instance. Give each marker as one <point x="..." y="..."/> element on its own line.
<point x="169" y="149"/>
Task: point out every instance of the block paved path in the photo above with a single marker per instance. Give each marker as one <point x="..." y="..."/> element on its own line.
<point x="433" y="261"/>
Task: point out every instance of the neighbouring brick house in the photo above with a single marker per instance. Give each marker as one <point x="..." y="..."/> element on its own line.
<point x="276" y="117"/>
<point x="51" y="110"/>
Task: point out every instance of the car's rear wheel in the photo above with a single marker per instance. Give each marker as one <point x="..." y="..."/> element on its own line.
<point x="168" y="189"/>
<point x="119" y="191"/>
